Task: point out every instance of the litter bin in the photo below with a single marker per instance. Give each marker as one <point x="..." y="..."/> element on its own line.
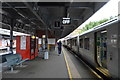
<point x="46" y="56"/>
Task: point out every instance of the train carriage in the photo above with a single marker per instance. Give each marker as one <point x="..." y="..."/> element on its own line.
<point x="100" y="46"/>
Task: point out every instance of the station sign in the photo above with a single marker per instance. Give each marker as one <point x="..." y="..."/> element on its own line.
<point x="66" y="21"/>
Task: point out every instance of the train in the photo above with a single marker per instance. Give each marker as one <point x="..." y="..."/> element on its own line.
<point x="99" y="46"/>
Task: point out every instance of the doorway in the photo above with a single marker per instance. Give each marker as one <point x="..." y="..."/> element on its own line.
<point x="101" y="48"/>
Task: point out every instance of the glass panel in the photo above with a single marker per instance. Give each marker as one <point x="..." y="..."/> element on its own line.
<point x="101" y="45"/>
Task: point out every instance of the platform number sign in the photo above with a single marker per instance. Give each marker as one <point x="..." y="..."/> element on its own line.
<point x="66" y="21"/>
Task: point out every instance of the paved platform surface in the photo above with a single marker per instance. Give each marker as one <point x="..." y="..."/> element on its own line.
<point x="78" y="68"/>
<point x="54" y="67"/>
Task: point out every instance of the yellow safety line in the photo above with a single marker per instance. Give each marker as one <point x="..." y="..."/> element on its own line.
<point x="69" y="72"/>
<point x="96" y="74"/>
<point x="68" y="68"/>
<point x="105" y="73"/>
<point x="92" y="71"/>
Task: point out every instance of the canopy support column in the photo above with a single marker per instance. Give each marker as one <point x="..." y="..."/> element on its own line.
<point x="11" y="36"/>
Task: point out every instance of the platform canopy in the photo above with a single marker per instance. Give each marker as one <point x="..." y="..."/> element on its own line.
<point x="58" y="18"/>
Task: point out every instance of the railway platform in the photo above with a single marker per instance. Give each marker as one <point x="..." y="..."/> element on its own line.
<point x="31" y="29"/>
<point x="64" y="66"/>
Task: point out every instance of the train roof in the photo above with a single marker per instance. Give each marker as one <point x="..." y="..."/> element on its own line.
<point x="105" y="24"/>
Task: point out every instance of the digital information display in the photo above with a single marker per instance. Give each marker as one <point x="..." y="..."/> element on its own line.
<point x="66" y="21"/>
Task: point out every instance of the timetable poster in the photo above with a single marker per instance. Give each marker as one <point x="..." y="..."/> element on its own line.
<point x="23" y="42"/>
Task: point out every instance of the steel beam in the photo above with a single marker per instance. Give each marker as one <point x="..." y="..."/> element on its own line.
<point x="30" y="8"/>
<point x="19" y="12"/>
<point x="20" y="7"/>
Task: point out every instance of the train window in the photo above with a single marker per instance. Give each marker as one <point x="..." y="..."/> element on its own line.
<point x="72" y="42"/>
<point x="86" y="43"/>
<point x="75" y="42"/>
<point x="101" y="48"/>
<point x="81" y="43"/>
<point x="68" y="42"/>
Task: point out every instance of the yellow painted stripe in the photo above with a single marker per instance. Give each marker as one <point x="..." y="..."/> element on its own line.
<point x="104" y="71"/>
<point x="96" y="74"/>
<point x="69" y="72"/>
<point x="68" y="68"/>
<point x="92" y="71"/>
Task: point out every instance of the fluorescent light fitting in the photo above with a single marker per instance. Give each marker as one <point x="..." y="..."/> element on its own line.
<point x="104" y="31"/>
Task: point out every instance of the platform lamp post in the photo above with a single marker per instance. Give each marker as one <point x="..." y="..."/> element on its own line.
<point x="46" y="56"/>
<point x="11" y="35"/>
<point x="46" y="37"/>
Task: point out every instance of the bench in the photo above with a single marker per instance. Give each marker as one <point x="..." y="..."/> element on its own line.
<point x="19" y="57"/>
<point x="13" y="60"/>
<point x="3" y="61"/>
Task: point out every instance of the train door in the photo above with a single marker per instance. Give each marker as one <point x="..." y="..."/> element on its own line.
<point x="101" y="48"/>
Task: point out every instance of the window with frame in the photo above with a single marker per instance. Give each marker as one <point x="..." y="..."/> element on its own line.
<point x="75" y="42"/>
<point x="86" y="43"/>
<point x="81" y="43"/>
<point x="72" y="42"/>
<point x="68" y="42"/>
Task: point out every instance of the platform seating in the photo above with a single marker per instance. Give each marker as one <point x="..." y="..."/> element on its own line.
<point x="13" y="60"/>
<point x="19" y="57"/>
<point x="3" y="60"/>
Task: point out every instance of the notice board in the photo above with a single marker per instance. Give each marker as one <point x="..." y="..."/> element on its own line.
<point x="23" y="42"/>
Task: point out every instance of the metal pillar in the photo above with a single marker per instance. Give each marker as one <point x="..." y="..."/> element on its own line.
<point x="11" y="36"/>
<point x="66" y="12"/>
<point x="46" y="38"/>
